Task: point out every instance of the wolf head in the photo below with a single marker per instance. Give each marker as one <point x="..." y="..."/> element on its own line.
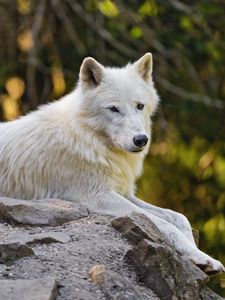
<point x="117" y="103"/>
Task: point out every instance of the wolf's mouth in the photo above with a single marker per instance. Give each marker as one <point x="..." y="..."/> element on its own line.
<point x="137" y="150"/>
<point x="129" y="149"/>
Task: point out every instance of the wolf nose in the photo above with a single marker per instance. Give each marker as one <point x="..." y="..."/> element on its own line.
<point x="140" y="140"/>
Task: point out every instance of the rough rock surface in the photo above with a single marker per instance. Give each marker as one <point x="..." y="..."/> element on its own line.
<point x="113" y="285"/>
<point x="136" y="227"/>
<point x="35" y="289"/>
<point x="10" y="251"/>
<point x="39" y="238"/>
<point x="52" y="212"/>
<point x="140" y="266"/>
<point x="92" y="241"/>
<point x="168" y="274"/>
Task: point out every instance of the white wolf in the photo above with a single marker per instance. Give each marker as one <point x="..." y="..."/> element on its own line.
<point x="89" y="147"/>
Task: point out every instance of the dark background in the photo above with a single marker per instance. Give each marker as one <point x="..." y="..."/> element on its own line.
<point x="42" y="44"/>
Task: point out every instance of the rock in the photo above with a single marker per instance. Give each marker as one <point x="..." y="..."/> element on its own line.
<point x="2" y="268"/>
<point x="93" y="241"/>
<point x="168" y="274"/>
<point x="33" y="289"/>
<point x="40" y="238"/>
<point x="207" y="294"/>
<point x="153" y="267"/>
<point x="52" y="212"/>
<point x="13" y="251"/>
<point x="113" y="285"/>
<point x="136" y="227"/>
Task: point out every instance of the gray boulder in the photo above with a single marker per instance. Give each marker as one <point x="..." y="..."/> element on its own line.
<point x="14" y="250"/>
<point x="168" y="274"/>
<point x="34" y="289"/>
<point x="52" y="212"/>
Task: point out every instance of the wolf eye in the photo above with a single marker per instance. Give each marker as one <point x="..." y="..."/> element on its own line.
<point x="114" y="109"/>
<point x="140" y="106"/>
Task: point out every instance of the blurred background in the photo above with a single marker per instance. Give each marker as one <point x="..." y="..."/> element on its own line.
<point x="43" y="44"/>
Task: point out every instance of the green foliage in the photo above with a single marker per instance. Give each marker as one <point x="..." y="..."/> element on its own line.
<point x="148" y="8"/>
<point x="136" y="32"/>
<point x="108" y="8"/>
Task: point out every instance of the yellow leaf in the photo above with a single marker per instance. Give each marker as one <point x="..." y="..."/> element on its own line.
<point x="10" y="108"/>
<point x="108" y="8"/>
<point x="58" y="81"/>
<point x="25" y="40"/>
<point x="23" y="6"/>
<point x="15" y="87"/>
<point x="206" y="160"/>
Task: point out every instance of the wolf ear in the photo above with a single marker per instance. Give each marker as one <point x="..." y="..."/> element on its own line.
<point x="144" y="66"/>
<point x="91" y="72"/>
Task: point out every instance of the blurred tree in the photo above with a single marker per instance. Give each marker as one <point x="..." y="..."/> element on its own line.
<point x="43" y="43"/>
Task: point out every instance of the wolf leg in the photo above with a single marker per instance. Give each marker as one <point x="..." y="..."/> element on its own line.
<point x="112" y="203"/>
<point x="175" y="218"/>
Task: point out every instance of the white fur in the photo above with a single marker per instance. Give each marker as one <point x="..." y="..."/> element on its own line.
<point x="78" y="149"/>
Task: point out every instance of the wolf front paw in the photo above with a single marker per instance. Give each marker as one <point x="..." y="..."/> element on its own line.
<point x="209" y="265"/>
<point x="212" y="267"/>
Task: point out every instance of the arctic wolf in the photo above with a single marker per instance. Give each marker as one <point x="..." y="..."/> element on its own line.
<point x="90" y="146"/>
